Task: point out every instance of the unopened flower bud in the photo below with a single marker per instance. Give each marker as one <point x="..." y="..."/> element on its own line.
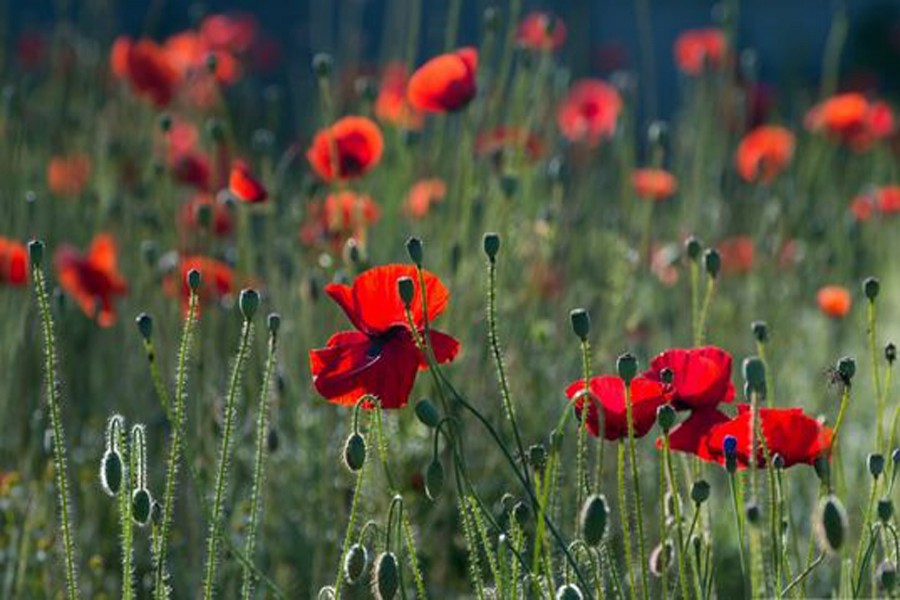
<point x="273" y="322"/>
<point x="355" y="563"/>
<point x="145" y="325"/>
<point x="823" y="469"/>
<point x="111" y="471"/>
<point x="755" y="373"/>
<point x="626" y="366"/>
<point x="875" y="462"/>
<point x="846" y="368"/>
<point x="36" y="252"/>
<point x="537" y="457"/>
<point x="700" y="491"/>
<point x="406" y="289"/>
<point x="491" y="245"/>
<point x="753" y="513"/>
<point x="427" y="413"/>
<point x="581" y="323"/>
<point x="665" y="416"/>
<point x="248" y="302"/>
<point x="355" y="452"/>
<point x="569" y="591"/>
<point x="415" y="251"/>
<point x="760" y="331"/>
<point x="694" y="248"/>
<point x="712" y="261"/>
<point x="886" y="574"/>
<point x="593" y="519"/>
<point x="193" y="279"/>
<point x="386" y="578"/>
<point x="141" y="505"/>
<point x="520" y="513"/>
<point x="434" y="479"/>
<point x="831" y="524"/>
<point x="871" y="287"/>
<point x="885" y="510"/>
<point x="890" y="353"/>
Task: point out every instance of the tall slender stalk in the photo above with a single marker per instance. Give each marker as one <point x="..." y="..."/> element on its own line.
<point x="636" y="485"/>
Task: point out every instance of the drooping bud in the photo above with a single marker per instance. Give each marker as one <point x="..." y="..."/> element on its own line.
<point x="520" y="513"/>
<point x="355" y="452"/>
<point x="112" y="470"/>
<point x="415" y="251"/>
<point x="593" y="519"/>
<point x="661" y="558"/>
<point x="626" y="366"/>
<point x="427" y="413"/>
<point x="712" y="261"/>
<point x="248" y="302"/>
<point x="886" y="574"/>
<point x="700" y="491"/>
<point x="491" y="245"/>
<point x="665" y="416"/>
<point x="581" y="323"/>
<point x="569" y="591"/>
<point x="871" y="287"/>
<point x="355" y="563"/>
<point x="386" y="577"/>
<point x="406" y="289"/>
<point x="434" y="479"/>
<point x="831" y="524"/>
<point x="141" y="505"/>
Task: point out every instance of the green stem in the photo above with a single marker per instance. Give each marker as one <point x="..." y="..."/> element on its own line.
<point x="348" y="536"/>
<point x="676" y="502"/>
<point x="626" y="527"/>
<point x="700" y="334"/>
<point x="636" y="483"/>
<point x="803" y="575"/>
<point x="737" y="506"/>
<point x="876" y="374"/>
<point x="125" y="521"/>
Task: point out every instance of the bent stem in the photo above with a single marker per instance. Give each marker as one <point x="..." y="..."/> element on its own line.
<point x="60" y="462"/>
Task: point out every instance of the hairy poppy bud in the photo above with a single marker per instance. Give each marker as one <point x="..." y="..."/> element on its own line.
<point x="885" y="510"/>
<point x="145" y="325"/>
<point x="406" y="290"/>
<point x="491" y="245"/>
<point x="593" y="518"/>
<point x="831" y="524"/>
<point x="322" y="64"/>
<point x="111" y="472"/>
<point x="427" y="413"/>
<point x="36" y="252"/>
<point x="666" y="375"/>
<point x="755" y="373"/>
<point x="193" y="279"/>
<point x="520" y="513"/>
<point x="248" y="302"/>
<point x="694" y="248"/>
<point x="753" y="513"/>
<point x="823" y="469"/>
<point x="886" y="574"/>
<point x="895" y="456"/>
<point x="626" y="365"/>
<point x="415" y="251"/>
<point x="661" y="558"/>
<point x="700" y="491"/>
<point x="890" y="353"/>
<point x="386" y="576"/>
<point x="569" y="591"/>
<point x="760" y="331"/>
<point x="326" y="593"/>
<point x="778" y="461"/>
<point x="665" y="416"/>
<point x="712" y="261"/>
<point x="871" y="287"/>
<point x="355" y="452"/>
<point x="141" y="505"/>
<point x="875" y="463"/>
<point x="273" y="322"/>
<point x="434" y="479"/>
<point x="355" y="563"/>
<point x="537" y="457"/>
<point x="846" y="368"/>
<point x="581" y="323"/>
<point x="672" y="502"/>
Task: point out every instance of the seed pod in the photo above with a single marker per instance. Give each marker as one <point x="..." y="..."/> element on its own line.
<point x="693" y="247"/>
<point x="885" y="510"/>
<point x="355" y="452"/>
<point x="569" y="591"/>
<point x="760" y="331"/>
<point x="886" y="574"/>
<point x="661" y="558"/>
<point x="145" y="325"/>
<point x="355" y="563"/>
<point x="700" y="491"/>
<point x="406" y="289"/>
<point x="111" y="472"/>
<point x="626" y="366"/>
<point x="141" y="506"/>
<point x="875" y="462"/>
<point x="666" y="375"/>
<point x="434" y="479"/>
<point x="415" y="251"/>
<point x="427" y="413"/>
<point x="193" y="279"/>
<point x="386" y="576"/>
<point x="593" y="518"/>
<point x="831" y="524"/>
<point x="581" y="323"/>
<point x="491" y="245"/>
<point x="248" y="302"/>
<point x="846" y="368"/>
<point x="871" y="287"/>
<point x="712" y="261"/>
<point x="36" y="252"/>
<point x="665" y="416"/>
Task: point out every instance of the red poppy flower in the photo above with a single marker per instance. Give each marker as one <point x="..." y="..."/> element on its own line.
<point x="590" y="112"/>
<point x="218" y="280"/>
<point x="147" y="68"/>
<point x="13" y="262"/>
<point x="342" y="216"/>
<point x="68" y="175"/>
<point x="609" y="392"/>
<point x="834" y="301"/>
<point x="701" y="377"/>
<point x="221" y="223"/>
<point x="884" y="200"/>
<point x="494" y="142"/>
<point x="851" y="119"/>
<point x="889" y="199"/>
<point x="696" y="49"/>
<point x="357" y="142"/>
<point x="31" y="48"/>
<point x="422" y="195"/>
<point x="738" y="253"/>
<point x="93" y="280"/>
<point x="692" y="434"/>
<point x="797" y="437"/>
<point x="863" y="207"/>
<point x="446" y="83"/>
<point x="380" y="357"/>
<point x="244" y="186"/>
<point x="654" y="184"/>
<point x="232" y="32"/>
<point x="664" y="263"/>
<point x="391" y="105"/>
<point x="764" y="153"/>
<point x="541" y="31"/>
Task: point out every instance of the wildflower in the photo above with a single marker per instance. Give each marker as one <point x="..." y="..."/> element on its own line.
<point x="764" y="153"/>
<point x="664" y="263"/>
<point x="221" y="223"/>
<point x="218" y="280"/>
<point x="653" y="184"/>
<point x="446" y="83"/>
<point x="68" y="175"/>
<point x="391" y="105"/>
<point x="697" y="49"/>
<point x="244" y="186"/>
<point x="348" y="149"/>
<point x="93" y="280"/>
<point x="691" y="434"/>
<point x="541" y="31"/>
<point x="590" y="112"/>
<point x="422" y="195"/>
<point x="13" y="262"/>
<point x="851" y="119"/>
<point x="380" y="357"/>
<point x="146" y="67"/>
<point x="232" y="32"/>
<point x="701" y="376"/>
<point x="608" y="392"/>
<point x="492" y="143"/>
<point x="834" y="301"/>
<point x="738" y="253"/>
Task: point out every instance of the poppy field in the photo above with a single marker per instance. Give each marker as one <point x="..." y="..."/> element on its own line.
<point x="460" y="318"/>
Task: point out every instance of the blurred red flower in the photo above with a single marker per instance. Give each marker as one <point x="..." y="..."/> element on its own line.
<point x="851" y="119"/>
<point x="738" y="254"/>
<point x="217" y="280"/>
<point x="764" y="153"/>
<point x="608" y="392"/>
<point x="93" y="280"/>
<point x="13" y="262"/>
<point x="231" y="32"/>
<point x="422" y="195"/>
<point x="352" y="146"/>
<point x="884" y="200"/>
<point x="380" y="357"/>
<point x="343" y="215"/>
<point x="244" y="186"/>
<point x="221" y="223"/>
<point x="701" y="377"/>
<point x="493" y="142"/>
<point x="446" y="83"/>
<point x="589" y="112"/>
<point x="541" y="31"/>
<point x="696" y="49"/>
<point x="68" y="175"/>
<point x="146" y="67"/>
<point x="834" y="301"/>
<point x="653" y="184"/>
<point x="391" y="105"/>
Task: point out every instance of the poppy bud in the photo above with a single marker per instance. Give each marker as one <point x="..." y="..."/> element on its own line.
<point x="387" y="576"/>
<point x="355" y="452"/>
<point x="658" y="133"/>
<point x="491" y="18"/>
<point x="700" y="491"/>
<point x="693" y="247"/>
<point x="414" y="249"/>
<point x="886" y="573"/>
<point x="141" y="505"/>
<point x="666" y="375"/>
<point x="248" y="302"/>
<point x="760" y="331"/>
<point x="712" y="261"/>
<point x="434" y="479"/>
<point x="885" y="510"/>
<point x="273" y="322"/>
<point x="193" y="279"/>
<point x="831" y="524"/>
<point x="755" y="373"/>
<point x="272" y="440"/>
<point x="355" y="563"/>
<point x="875" y="463"/>
<point x="508" y="501"/>
<point x="871" y="287"/>
<point x="491" y="245"/>
<point x="569" y="591"/>
<point x="111" y="472"/>
<point x="156" y="513"/>
<point x="823" y="469"/>
<point x="36" y="252"/>
<point x="661" y="558"/>
<point x="846" y="368"/>
<point x="406" y="289"/>
<point x="145" y="325"/>
<point x="581" y="323"/>
<point x="322" y="64"/>
<point x="665" y="416"/>
<point x="537" y="457"/>
<point x="520" y="513"/>
<point x="427" y="413"/>
<point x="509" y="185"/>
<point x="753" y="513"/>
<point x="626" y="366"/>
<point x="890" y="353"/>
<point x="895" y="456"/>
<point x="326" y="593"/>
<point x="593" y="518"/>
<point x="673" y="502"/>
<point x="778" y="461"/>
